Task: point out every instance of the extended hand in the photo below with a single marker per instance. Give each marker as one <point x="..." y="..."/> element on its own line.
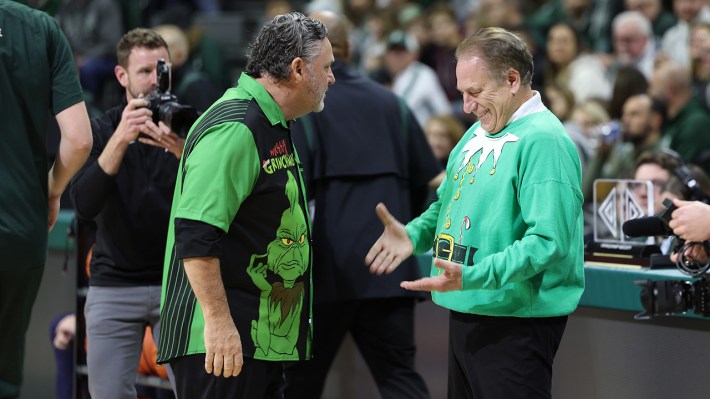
<point x="449" y="278"/>
<point x="393" y="246"/>
<point x="223" y="347"/>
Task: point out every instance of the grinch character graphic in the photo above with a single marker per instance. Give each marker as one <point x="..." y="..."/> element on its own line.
<point x="275" y="333"/>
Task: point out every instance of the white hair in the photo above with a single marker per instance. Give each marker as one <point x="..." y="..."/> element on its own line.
<point x="635" y="18"/>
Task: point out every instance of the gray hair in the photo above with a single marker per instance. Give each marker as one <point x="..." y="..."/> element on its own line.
<point x="636" y="19"/>
<point x="280" y="41"/>
<point x="501" y="50"/>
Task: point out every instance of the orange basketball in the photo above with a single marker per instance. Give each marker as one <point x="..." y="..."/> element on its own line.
<point x="150" y="355"/>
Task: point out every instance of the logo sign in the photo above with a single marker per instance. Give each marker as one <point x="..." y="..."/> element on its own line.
<point x="616" y="201"/>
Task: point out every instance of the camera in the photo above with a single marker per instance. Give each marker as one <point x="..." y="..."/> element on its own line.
<point x="165" y="106"/>
<point x="669" y="297"/>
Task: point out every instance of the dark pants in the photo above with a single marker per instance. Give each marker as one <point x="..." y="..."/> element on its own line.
<point x="18" y="291"/>
<point x="502" y="357"/>
<point x="383" y="330"/>
<point x="258" y="379"/>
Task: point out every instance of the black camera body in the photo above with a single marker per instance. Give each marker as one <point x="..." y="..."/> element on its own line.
<point x="165" y="106"/>
<point x="669" y="297"/>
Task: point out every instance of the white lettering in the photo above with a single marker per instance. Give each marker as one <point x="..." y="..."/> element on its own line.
<point x="0" y="32"/>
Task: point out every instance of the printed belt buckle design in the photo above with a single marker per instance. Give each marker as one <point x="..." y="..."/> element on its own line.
<point x="444" y="246"/>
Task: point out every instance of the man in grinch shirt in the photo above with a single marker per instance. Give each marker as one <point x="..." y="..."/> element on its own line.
<point x="506" y="230"/>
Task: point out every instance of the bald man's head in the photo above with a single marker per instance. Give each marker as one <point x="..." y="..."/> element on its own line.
<point x="338" y="30"/>
<point x="670" y="77"/>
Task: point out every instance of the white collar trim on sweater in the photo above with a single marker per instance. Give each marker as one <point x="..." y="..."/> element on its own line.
<point x="533" y="105"/>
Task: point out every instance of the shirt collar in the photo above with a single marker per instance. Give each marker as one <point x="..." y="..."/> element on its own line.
<point x="533" y="105"/>
<point x="263" y="98"/>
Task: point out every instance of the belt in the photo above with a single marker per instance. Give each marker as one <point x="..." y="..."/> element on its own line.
<point x="446" y="248"/>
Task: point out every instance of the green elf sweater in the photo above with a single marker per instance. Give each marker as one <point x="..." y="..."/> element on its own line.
<point x="510" y="211"/>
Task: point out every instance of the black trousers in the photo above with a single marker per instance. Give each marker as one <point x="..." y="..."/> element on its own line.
<point x="18" y="291"/>
<point x="383" y="330"/>
<point x="258" y="379"/>
<point x="502" y="357"/>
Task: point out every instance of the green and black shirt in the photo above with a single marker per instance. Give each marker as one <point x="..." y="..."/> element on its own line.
<point x="239" y="197"/>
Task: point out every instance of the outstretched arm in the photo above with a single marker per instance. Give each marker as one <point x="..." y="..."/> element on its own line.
<point x="393" y="246"/>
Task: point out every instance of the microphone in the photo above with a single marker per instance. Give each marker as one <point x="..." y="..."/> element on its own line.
<point x="646" y="226"/>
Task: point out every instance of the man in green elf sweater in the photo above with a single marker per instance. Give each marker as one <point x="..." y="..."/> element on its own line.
<point x="507" y="230"/>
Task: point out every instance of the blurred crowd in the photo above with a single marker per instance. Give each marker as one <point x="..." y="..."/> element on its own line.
<point x="624" y="76"/>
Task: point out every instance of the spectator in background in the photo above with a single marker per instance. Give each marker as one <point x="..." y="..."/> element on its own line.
<point x="559" y="100"/>
<point x="206" y="53"/>
<point x="591" y="20"/>
<point x="686" y="127"/>
<point x="370" y="40"/>
<point x="562" y="49"/>
<point x="633" y="41"/>
<point x="488" y="13"/>
<point x="93" y="28"/>
<point x="676" y="41"/>
<point x="660" y="18"/>
<point x="629" y="81"/>
<point x="443" y="132"/>
<point x="640" y="131"/>
<point x="191" y="86"/>
<point x="38" y="79"/>
<point x="126" y="187"/>
<point x="594" y="75"/>
<point x="700" y="62"/>
<point x="364" y="147"/>
<point x="414" y="81"/>
<point x="581" y="128"/>
<point x="444" y="36"/>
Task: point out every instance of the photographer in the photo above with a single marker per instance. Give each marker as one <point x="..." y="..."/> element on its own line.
<point x="126" y="187"/>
